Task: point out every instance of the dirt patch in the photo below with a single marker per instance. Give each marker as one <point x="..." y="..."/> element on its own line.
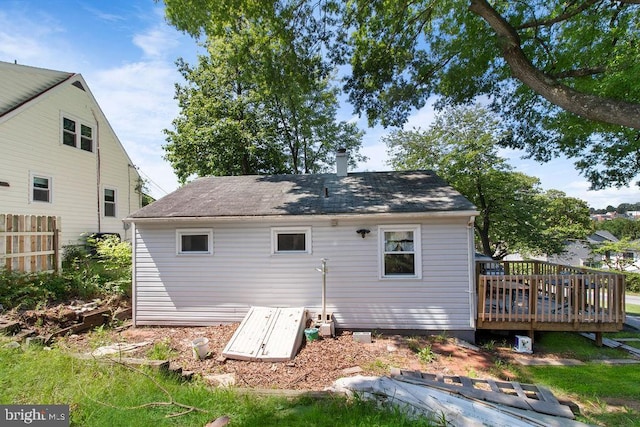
<point x="54" y="318"/>
<point x="316" y="366"/>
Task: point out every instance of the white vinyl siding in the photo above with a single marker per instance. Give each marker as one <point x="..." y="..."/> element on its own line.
<point x="181" y="290"/>
<point x="32" y="138"/>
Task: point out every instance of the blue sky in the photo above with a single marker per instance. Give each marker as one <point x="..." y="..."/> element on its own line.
<point x="126" y="52"/>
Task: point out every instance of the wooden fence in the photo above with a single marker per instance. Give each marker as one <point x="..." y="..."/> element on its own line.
<point x="29" y="243"/>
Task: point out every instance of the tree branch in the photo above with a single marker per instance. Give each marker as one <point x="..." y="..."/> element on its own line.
<point x="171" y="402"/>
<point x="562" y="17"/>
<point x="580" y="72"/>
<point x="585" y="105"/>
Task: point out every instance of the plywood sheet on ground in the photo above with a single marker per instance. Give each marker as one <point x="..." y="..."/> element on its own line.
<point x="267" y="334"/>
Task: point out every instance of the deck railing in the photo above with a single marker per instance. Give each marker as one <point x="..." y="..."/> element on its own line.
<point x="533" y="295"/>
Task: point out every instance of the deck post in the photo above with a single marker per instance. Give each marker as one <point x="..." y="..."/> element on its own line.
<point x="598" y="339"/>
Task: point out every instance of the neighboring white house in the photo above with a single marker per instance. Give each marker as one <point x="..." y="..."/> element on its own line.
<point x="578" y="253"/>
<point x="399" y="250"/>
<point x="59" y="156"/>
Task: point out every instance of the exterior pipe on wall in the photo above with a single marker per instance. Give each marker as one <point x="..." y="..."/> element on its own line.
<point x="98" y="182"/>
<point x="323" y="270"/>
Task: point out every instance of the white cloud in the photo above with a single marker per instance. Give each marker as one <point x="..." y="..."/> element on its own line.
<point x="602" y="198"/>
<point x="422" y="118"/>
<point x="376" y="150"/>
<point x="157" y="42"/>
<point x="137" y="99"/>
<point x="377" y="154"/>
<point x="104" y="16"/>
<point x="33" y="39"/>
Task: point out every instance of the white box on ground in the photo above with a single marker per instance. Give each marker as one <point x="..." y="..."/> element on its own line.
<point x="327" y="329"/>
<point x="363" y="337"/>
<point x="523" y="344"/>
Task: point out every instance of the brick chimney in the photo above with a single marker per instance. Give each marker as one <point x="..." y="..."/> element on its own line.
<point x="342" y="161"/>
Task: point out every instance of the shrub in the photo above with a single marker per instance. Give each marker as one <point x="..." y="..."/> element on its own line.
<point x="20" y="289"/>
<point x="28" y="290"/>
<point x="82" y="276"/>
<point x="73" y="256"/>
<point x="633" y="282"/>
<point x="427" y="355"/>
<point x="115" y="256"/>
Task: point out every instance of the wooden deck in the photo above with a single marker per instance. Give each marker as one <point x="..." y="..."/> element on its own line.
<point x="538" y="296"/>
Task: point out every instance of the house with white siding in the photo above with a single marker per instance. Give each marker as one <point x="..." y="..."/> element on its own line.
<point x="398" y="248"/>
<point x="579" y="253"/>
<point x="59" y="155"/>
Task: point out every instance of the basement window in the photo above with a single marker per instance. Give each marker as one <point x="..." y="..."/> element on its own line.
<point x="291" y="240"/>
<point x="400" y="254"/>
<point x="194" y="241"/>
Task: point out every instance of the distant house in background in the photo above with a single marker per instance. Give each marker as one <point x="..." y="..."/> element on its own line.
<point x="578" y="253"/>
<point x="60" y="157"/>
<point x="608" y="216"/>
<point x="635" y="215"/>
<point x="399" y="248"/>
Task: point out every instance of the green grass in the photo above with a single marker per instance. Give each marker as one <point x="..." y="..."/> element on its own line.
<point x="594" y="380"/>
<point x="599" y="387"/>
<point x="574" y="346"/>
<point x="104" y="395"/>
<point x="633" y="309"/>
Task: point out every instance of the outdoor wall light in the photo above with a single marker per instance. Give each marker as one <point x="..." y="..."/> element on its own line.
<point x="363" y="232"/>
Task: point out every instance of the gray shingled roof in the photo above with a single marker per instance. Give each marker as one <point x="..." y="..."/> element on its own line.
<point x="320" y="194"/>
<point x="20" y="84"/>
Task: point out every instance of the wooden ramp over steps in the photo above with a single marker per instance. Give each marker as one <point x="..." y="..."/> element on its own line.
<point x="523" y="396"/>
<point x="267" y="334"/>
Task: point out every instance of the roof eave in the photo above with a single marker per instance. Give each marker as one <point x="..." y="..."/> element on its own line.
<point x="16" y="109"/>
<point x="376" y="215"/>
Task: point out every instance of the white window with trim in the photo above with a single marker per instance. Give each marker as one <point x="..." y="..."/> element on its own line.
<point x="400" y="252"/>
<point x="291" y="240"/>
<point x="194" y="241"/>
<point x="109" y="202"/>
<point x="40" y="188"/>
<point x="76" y="134"/>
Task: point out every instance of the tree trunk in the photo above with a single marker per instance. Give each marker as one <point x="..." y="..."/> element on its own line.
<point x="591" y="107"/>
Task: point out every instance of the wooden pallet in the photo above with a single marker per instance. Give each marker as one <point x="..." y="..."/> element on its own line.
<point x="616" y="343"/>
<point x="523" y="396"/>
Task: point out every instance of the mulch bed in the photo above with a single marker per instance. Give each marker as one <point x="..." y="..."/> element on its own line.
<point x="316" y="366"/>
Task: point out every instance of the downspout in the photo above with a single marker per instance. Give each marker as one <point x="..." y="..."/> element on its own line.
<point x="473" y="298"/>
<point x="134" y="284"/>
<point x="124" y="225"/>
<point x="98" y="183"/>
